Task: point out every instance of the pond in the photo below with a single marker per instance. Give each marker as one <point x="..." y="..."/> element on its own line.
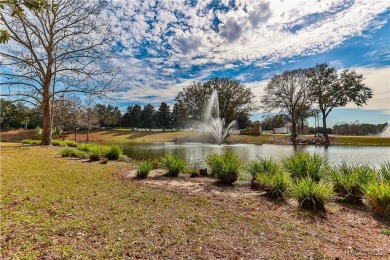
<point x="196" y="153"/>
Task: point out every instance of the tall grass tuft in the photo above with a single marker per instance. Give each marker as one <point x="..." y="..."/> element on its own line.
<point x="274" y="183"/>
<point x="384" y="172"/>
<point x="225" y="166"/>
<point x="378" y="198"/>
<point x="144" y="169"/>
<point x="71" y="152"/>
<point x="349" y="181"/>
<point x="310" y="194"/>
<point x="262" y="165"/>
<point x="302" y="165"/>
<point x="96" y="152"/>
<point x="113" y="152"/>
<point x="173" y="164"/>
<point x="31" y="141"/>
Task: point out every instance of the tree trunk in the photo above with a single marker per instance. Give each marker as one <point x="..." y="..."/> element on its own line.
<point x="75" y="133"/>
<point x="324" y="129"/>
<point x="46" y="114"/>
<point x="88" y="134"/>
<point x="294" y="133"/>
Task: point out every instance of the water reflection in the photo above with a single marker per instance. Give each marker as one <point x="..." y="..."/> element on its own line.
<point x="196" y="152"/>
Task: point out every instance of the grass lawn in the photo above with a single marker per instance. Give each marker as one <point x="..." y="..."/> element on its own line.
<point x="53" y="207"/>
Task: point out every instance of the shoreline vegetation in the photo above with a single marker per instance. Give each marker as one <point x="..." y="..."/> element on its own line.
<point x="129" y="136"/>
<point x="78" y="208"/>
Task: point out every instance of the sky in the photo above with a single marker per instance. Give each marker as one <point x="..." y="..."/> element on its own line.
<point x="163" y="46"/>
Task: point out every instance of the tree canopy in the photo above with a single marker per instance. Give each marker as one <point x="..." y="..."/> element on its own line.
<point x="330" y="89"/>
<point x="54" y="48"/>
<point x="235" y="99"/>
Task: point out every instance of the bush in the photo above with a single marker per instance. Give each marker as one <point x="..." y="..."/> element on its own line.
<point x="310" y="194"/>
<point x="113" y="152"/>
<point x="70" y="152"/>
<point x="31" y="141"/>
<point x="84" y="147"/>
<point x="378" y="198"/>
<point x="225" y="166"/>
<point x="262" y="165"/>
<point x="275" y="183"/>
<point x="302" y="165"/>
<point x="173" y="164"/>
<point x="349" y="181"/>
<point x="144" y="169"/>
<point x="70" y="143"/>
<point x="96" y="152"/>
<point x="384" y="172"/>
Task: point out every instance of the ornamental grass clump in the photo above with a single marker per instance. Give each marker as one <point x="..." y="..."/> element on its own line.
<point x="31" y="141"/>
<point x="71" y="152"/>
<point x="377" y="195"/>
<point x="173" y="164"/>
<point x="310" y="194"/>
<point x="383" y="173"/>
<point x="274" y="183"/>
<point x="349" y="182"/>
<point x="96" y="152"/>
<point x="113" y="152"/>
<point x="302" y="165"/>
<point x="224" y="166"/>
<point x="144" y="169"/>
<point x="262" y="165"/>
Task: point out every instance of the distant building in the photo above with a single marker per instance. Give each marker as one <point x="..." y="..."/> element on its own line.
<point x="287" y="129"/>
<point x="255" y="130"/>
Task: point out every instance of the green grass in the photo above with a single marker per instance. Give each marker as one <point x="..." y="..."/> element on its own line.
<point x="383" y="173"/>
<point x="310" y="194"/>
<point x="378" y="197"/>
<point x="144" y="169"/>
<point x="302" y="165"/>
<point x="225" y="166"/>
<point x="31" y="141"/>
<point x="274" y="183"/>
<point x="56" y="208"/>
<point x="262" y="165"/>
<point x="113" y="152"/>
<point x="72" y="152"/>
<point x="173" y="164"/>
<point x="349" y="181"/>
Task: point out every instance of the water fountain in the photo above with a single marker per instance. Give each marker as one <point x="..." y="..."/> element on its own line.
<point x="386" y="130"/>
<point x="212" y="123"/>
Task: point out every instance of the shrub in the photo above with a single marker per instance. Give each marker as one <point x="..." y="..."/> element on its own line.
<point x="31" y="141"/>
<point x="70" y="152"/>
<point x="96" y="152"/>
<point x="262" y="165"/>
<point x="310" y="194"/>
<point x="225" y="166"/>
<point x="57" y="143"/>
<point x="384" y="172"/>
<point x="70" y="143"/>
<point x="275" y="184"/>
<point x="173" y="164"/>
<point x="113" y="152"/>
<point x="84" y="147"/>
<point x="302" y="165"/>
<point x="378" y="198"/>
<point x="349" y="181"/>
<point x="144" y="169"/>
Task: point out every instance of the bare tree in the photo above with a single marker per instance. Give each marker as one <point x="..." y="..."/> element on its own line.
<point x="288" y="93"/>
<point x="62" y="48"/>
<point x="89" y="116"/>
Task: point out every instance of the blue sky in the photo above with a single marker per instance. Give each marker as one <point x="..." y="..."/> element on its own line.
<point x="163" y="46"/>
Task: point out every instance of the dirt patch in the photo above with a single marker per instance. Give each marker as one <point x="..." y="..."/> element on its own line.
<point x="17" y="135"/>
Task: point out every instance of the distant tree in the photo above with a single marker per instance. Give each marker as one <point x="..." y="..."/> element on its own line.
<point x="135" y="117"/>
<point x="234" y="98"/>
<point x="148" y="116"/>
<point x="329" y="90"/>
<point x="125" y="120"/>
<point x="54" y="47"/>
<point x="89" y="116"/>
<point x="109" y="116"/>
<point x="63" y="114"/>
<point x="179" y="116"/>
<point x="288" y="93"/>
<point x="12" y="115"/>
<point x="274" y="121"/>
<point x="163" y="116"/>
<point x="243" y="120"/>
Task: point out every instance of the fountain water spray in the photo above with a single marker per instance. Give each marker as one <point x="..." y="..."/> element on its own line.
<point x="212" y="122"/>
<point x="386" y="130"/>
